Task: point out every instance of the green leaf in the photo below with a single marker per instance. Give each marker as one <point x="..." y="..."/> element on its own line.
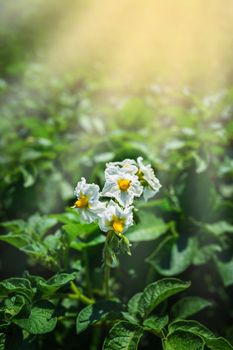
<point x="28" y="178"/>
<point x="157" y="292"/>
<point x="225" y="270"/>
<point x="133" y="304"/>
<point x="218" y="344"/>
<point x="155" y="323"/>
<point x="95" y="313"/>
<point x="40" y="224"/>
<point x="14" y="305"/>
<point x="183" y="341"/>
<point x="188" y="306"/>
<point x="16" y="240"/>
<point x="123" y="336"/>
<point x="130" y="318"/>
<point x="55" y="283"/>
<point x="149" y="228"/>
<point x="79" y="230"/>
<point x="168" y="251"/>
<point x="219" y="228"/>
<point x="16" y="285"/>
<point x="37" y="251"/>
<point x="92" y="241"/>
<point x="66" y="218"/>
<point x="40" y="320"/>
<point x="190" y="326"/>
<point x="205" y="253"/>
<point x="82" y="236"/>
<point x="14" y="225"/>
<point x="201" y="331"/>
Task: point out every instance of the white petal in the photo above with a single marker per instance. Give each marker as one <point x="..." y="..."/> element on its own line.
<point x="109" y="186"/>
<point x="104" y="225"/>
<point x="87" y="215"/>
<point x="148" y="193"/>
<point x="97" y="207"/>
<point x="92" y="192"/>
<point x="149" y="176"/>
<point x="81" y="186"/>
<point x="136" y="189"/>
<point x="125" y="198"/>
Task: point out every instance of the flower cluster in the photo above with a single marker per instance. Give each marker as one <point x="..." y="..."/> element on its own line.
<point x="124" y="181"/>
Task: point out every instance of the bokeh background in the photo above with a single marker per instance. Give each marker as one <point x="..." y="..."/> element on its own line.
<point x="84" y="82"/>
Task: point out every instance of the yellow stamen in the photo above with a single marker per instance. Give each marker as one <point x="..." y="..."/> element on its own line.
<point x="82" y="202"/>
<point x="118" y="225"/>
<point x="124" y="184"/>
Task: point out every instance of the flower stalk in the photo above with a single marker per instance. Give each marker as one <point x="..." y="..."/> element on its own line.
<point x="77" y="294"/>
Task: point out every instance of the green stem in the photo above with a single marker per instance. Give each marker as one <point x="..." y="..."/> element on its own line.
<point x="77" y="294"/>
<point x="106" y="266"/>
<point x="87" y="273"/>
<point x="150" y="275"/>
<point x="95" y="338"/>
<point x="106" y="281"/>
<point x="163" y="339"/>
<point x="66" y="253"/>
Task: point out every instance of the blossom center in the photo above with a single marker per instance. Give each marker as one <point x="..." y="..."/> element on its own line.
<point x="124" y="184"/>
<point x="82" y="202"/>
<point x="118" y="225"/>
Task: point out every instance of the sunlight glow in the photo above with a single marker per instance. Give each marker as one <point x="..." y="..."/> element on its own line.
<point x="133" y="40"/>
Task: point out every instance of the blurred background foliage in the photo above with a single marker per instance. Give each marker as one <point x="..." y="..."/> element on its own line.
<point x="84" y="83"/>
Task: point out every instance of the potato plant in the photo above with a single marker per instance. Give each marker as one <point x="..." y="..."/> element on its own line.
<point x="115" y="198"/>
<point x="82" y="248"/>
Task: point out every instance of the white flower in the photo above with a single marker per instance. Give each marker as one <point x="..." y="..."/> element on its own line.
<point x="127" y="165"/>
<point x="122" y="186"/>
<point x="116" y="219"/>
<point x="148" y="179"/>
<point x="88" y="204"/>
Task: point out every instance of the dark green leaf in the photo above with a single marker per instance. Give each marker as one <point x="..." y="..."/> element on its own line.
<point x="183" y="341"/>
<point x="157" y="292"/>
<point x="55" y="283"/>
<point x="96" y="239"/>
<point x="201" y="331"/>
<point x="96" y="312"/>
<point x="16" y="285"/>
<point x="133" y="304"/>
<point x="40" y="320"/>
<point x="168" y="252"/>
<point x="205" y="253"/>
<point x="14" y="305"/>
<point x="155" y="323"/>
<point x="123" y="336"/>
<point x="188" y="306"/>
<point x="225" y="270"/>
